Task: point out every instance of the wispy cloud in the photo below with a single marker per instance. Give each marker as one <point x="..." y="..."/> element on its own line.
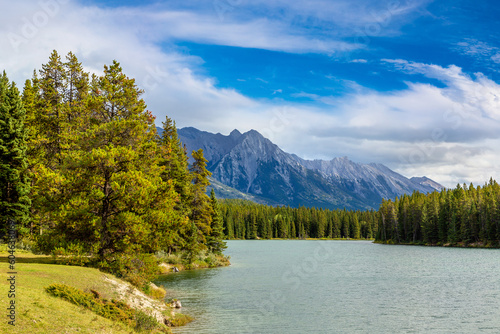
<point x="262" y="33"/>
<point x="362" y="61"/>
<point x="343" y="17"/>
<point x="479" y="50"/>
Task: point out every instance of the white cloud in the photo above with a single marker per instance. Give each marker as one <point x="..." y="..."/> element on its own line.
<point x="449" y="133"/>
<point x="262" y="33"/>
<point x="479" y="50"/>
<point x="472" y="96"/>
<point x="344" y="17"/>
<point x="474" y="47"/>
<point x="496" y="57"/>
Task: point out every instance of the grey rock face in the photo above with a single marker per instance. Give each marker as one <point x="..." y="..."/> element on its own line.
<point x="253" y="165"/>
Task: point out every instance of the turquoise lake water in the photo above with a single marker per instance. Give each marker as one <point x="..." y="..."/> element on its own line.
<point x="342" y="287"/>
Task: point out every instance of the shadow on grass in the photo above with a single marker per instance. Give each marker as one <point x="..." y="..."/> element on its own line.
<point x="29" y="258"/>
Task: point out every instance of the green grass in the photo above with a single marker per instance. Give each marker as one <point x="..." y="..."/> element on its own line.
<point x="38" y="312"/>
<point x="179" y="319"/>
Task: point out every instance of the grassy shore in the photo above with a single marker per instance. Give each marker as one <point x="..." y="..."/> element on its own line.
<point x="38" y="312"/>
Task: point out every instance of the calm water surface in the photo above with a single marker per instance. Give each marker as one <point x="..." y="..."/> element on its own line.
<point x="342" y="287"/>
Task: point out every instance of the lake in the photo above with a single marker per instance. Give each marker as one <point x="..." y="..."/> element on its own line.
<point x="286" y="286"/>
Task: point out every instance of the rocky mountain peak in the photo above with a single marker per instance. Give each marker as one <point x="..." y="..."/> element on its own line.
<point x="235" y="134"/>
<point x="425" y="181"/>
<point x="252" y="164"/>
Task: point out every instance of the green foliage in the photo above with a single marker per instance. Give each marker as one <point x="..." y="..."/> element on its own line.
<point x="113" y="309"/>
<point x="154" y="292"/>
<point x="247" y="220"/>
<point x="105" y="185"/>
<point x="176" y="166"/>
<point x="464" y="216"/>
<point x="202" y="259"/>
<point x="14" y="182"/>
<point x="172" y="258"/>
<point x="138" y="269"/>
<point x="73" y="255"/>
<point x="178" y="319"/>
<point x="201" y="208"/>
<point x="145" y="322"/>
<point x="215" y="240"/>
<point x="214" y="260"/>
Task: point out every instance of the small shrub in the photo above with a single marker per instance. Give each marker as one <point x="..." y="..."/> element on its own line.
<point x="159" y="293"/>
<point x="154" y="291"/>
<point x="178" y="319"/>
<point x="114" y="310"/>
<point x="174" y="258"/>
<point x="71" y="254"/>
<point x="147" y="289"/>
<point x="25" y="244"/>
<point x="210" y="260"/>
<point x="47" y="243"/>
<point x="138" y="269"/>
<point x="145" y="322"/>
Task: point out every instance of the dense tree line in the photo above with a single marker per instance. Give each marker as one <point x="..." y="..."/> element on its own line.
<point x="466" y="215"/>
<point x="82" y="168"/>
<point x="247" y="220"/>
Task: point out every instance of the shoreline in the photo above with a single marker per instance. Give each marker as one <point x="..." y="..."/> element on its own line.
<point x="39" y="311"/>
<point x="304" y="239"/>
<point x="447" y="245"/>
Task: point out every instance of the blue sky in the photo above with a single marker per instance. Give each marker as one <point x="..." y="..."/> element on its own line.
<point x="411" y="84"/>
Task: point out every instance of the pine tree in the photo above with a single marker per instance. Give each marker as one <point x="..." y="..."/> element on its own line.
<point x="201" y="210"/>
<point x="229" y="226"/>
<point x="14" y="182"/>
<point x="44" y="102"/>
<point x="345" y="225"/>
<point x="355" y="228"/>
<point x="215" y="240"/>
<point x="51" y="85"/>
<point x="175" y="161"/>
<point x="293" y="230"/>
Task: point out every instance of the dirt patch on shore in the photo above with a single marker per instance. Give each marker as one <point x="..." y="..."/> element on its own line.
<point x="138" y="300"/>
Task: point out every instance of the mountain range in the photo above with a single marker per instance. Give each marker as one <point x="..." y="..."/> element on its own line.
<point x="247" y="165"/>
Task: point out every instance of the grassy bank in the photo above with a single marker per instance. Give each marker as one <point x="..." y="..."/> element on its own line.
<point x="38" y="312"/>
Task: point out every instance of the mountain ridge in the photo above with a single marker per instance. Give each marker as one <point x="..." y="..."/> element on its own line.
<point x="252" y="164"/>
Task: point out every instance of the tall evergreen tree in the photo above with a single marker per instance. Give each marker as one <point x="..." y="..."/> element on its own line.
<point x="201" y="210"/>
<point x="14" y="181"/>
<point x="175" y="161"/>
<point x="215" y="240"/>
<point x="50" y="108"/>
